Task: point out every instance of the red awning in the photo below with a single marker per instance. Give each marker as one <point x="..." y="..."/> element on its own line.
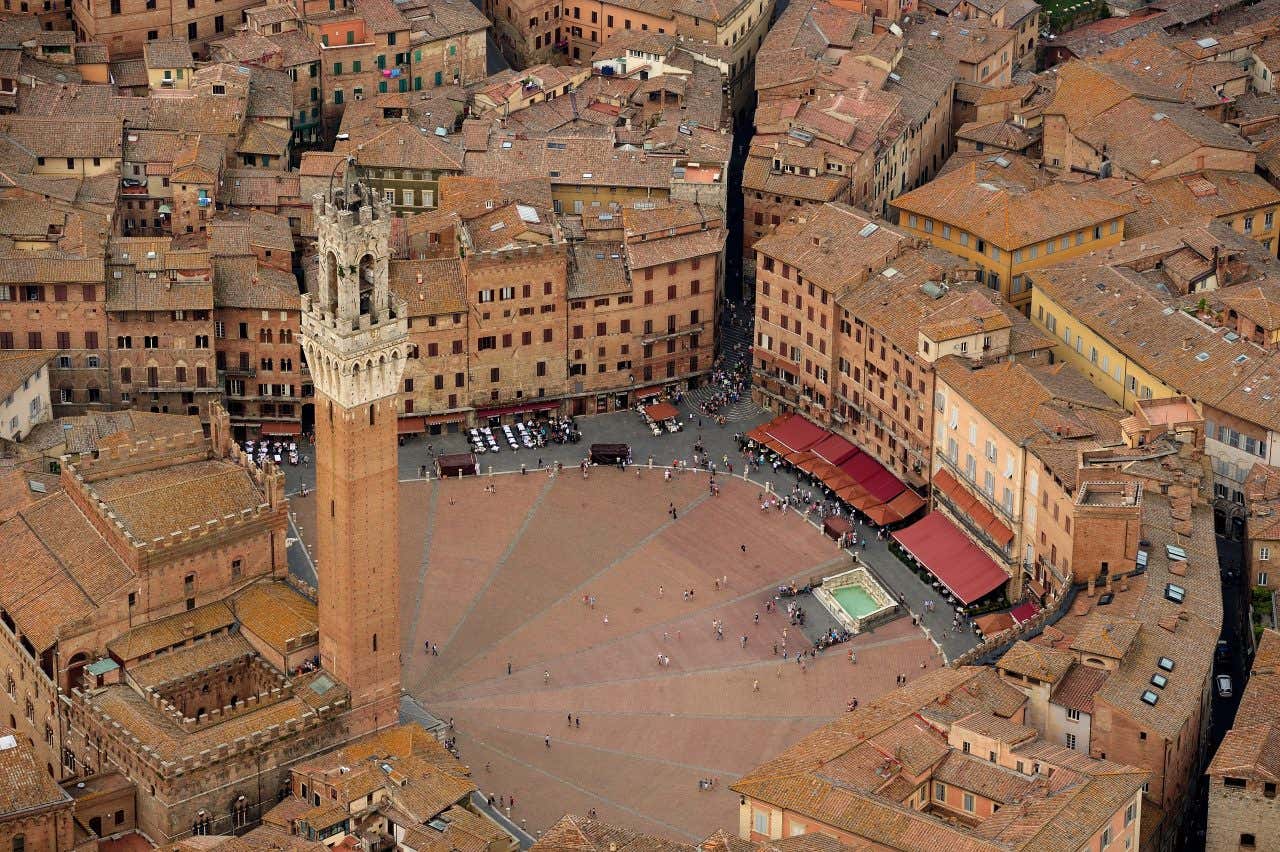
<point x="907" y="503"/>
<point x="794" y="432"/>
<point x="902" y="506"/>
<point x="517" y="409"/>
<point x="823" y="470"/>
<point x="883" y="485"/>
<point x="758" y="435"/>
<point x="960" y="498"/>
<point x="881" y="515"/>
<point x="1024" y="612"/>
<point x="649" y="393"/>
<point x="410" y="425"/>
<point x="993" y="623"/>
<point x="999" y="533"/>
<point x="837" y="480"/>
<point x="851" y="493"/>
<point x="968" y="504"/>
<point x="662" y="411"/>
<point x="963" y="567"/>
<point x="860" y="466"/>
<point x="281" y="429"/>
<point x="862" y="501"/>
<point x="441" y="419"/>
<point x="833" y="449"/>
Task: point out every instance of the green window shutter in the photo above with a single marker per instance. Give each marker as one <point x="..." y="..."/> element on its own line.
<point x="382" y="85"/>
<point x="337" y="68"/>
<point x="404" y="84"/>
<point x="417" y="84"/>
<point x="439" y="78"/>
<point x="337" y="96"/>
<point x="355" y="66"/>
<point x="382" y="61"/>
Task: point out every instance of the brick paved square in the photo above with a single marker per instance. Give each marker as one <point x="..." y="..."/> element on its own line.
<point x="495" y="577"/>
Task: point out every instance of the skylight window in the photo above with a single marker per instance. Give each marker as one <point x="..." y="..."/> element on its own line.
<point x="1175" y="593"/>
<point x="1159" y="681"/>
<point x="1166" y="664"/>
<point x="1150" y="697"/>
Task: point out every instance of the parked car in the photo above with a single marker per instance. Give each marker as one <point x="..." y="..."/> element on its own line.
<point x="1223" y="652"/>
<point x="1224" y="685"/>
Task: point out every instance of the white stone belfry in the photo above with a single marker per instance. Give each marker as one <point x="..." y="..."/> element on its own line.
<point x="354" y="331"/>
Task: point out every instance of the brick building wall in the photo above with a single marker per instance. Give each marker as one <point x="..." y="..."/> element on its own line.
<point x="124" y="26"/>
<point x="177" y="374"/>
<point x="526" y="30"/>
<point x="795" y="327"/>
<point x="887" y="396"/>
<point x="260" y="366"/>
<point x="677" y="304"/>
<point x="516" y="331"/>
<point x="51" y="828"/>
<point x="1242" y="817"/>
<point x="67" y="319"/>
<point x="460" y="59"/>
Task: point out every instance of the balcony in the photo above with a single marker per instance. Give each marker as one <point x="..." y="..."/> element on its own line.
<point x="239" y="372"/>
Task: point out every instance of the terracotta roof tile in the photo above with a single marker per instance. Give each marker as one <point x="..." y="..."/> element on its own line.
<point x="24" y="785"/>
<point x="1045" y="664"/>
<point x="1075" y="691"/>
<point x="275" y="613"/>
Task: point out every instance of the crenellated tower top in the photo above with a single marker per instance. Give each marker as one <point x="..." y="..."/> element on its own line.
<point x="354" y="330"/>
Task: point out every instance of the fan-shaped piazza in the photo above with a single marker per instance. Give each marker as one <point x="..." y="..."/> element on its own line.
<point x="492" y="578"/>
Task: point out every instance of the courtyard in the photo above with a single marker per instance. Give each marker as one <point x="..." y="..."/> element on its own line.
<point x="498" y="578"/>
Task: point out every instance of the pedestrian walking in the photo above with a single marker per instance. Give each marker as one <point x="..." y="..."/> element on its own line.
<point x="547" y="740"/>
<point x="755" y="686"/>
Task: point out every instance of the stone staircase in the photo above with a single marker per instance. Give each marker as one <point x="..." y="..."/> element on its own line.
<point x="735" y="353"/>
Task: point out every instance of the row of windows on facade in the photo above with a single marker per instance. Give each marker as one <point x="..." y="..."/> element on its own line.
<point x="402" y="85"/>
<point x="1102" y="361"/>
<point x="35" y="340"/>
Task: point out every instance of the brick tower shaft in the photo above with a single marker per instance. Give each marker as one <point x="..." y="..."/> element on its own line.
<point x="354" y="336"/>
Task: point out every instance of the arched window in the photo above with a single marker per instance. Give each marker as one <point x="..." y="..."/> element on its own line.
<point x="240" y="812"/>
<point x="19" y="843"/>
<point x="371" y="415"/>
<point x="202" y="823"/>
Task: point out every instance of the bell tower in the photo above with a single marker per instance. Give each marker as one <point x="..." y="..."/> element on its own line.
<point x="354" y="337"/>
